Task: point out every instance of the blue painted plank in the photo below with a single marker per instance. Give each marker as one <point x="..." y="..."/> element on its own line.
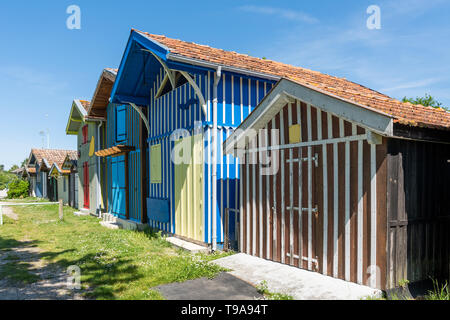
<point x="158" y="210"/>
<point x="121" y="123"/>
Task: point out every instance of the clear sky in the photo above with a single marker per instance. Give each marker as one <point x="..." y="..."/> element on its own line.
<point x="44" y="65"/>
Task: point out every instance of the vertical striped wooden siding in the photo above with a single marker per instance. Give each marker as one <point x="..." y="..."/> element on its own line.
<point x="237" y="97"/>
<point x="133" y="124"/>
<point x="347" y="186"/>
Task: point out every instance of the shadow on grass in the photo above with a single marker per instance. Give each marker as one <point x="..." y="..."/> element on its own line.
<point x="102" y="277"/>
<point x="6" y="244"/>
<point x="16" y="266"/>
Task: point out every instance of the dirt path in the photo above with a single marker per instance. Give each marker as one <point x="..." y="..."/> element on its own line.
<point x="9" y="212"/>
<point x="25" y="275"/>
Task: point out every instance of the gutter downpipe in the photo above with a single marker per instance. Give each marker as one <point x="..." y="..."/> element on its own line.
<point x="99" y="187"/>
<point x="217" y="77"/>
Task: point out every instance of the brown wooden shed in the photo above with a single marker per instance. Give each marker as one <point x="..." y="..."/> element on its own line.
<point x="354" y="186"/>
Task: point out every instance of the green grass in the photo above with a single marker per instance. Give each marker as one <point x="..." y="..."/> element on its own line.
<point x="25" y="200"/>
<point x="115" y="264"/>
<point x="264" y="290"/>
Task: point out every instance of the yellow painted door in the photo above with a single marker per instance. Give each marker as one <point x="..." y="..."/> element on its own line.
<point x="189" y="215"/>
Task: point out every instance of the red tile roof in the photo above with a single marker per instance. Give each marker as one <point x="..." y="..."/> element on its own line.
<point x="85" y="104"/>
<point x="53" y="155"/>
<point x="31" y="170"/>
<point x="405" y="113"/>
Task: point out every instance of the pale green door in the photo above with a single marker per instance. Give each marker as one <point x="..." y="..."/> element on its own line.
<point x="189" y="214"/>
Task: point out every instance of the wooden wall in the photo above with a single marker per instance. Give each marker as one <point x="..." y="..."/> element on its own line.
<point x="418" y="211"/>
<point x="347" y="234"/>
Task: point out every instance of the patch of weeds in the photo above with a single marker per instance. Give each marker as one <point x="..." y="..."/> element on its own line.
<point x="18" y="272"/>
<point x="190" y="267"/>
<point x="214" y="255"/>
<point x="403" y="283"/>
<point x="374" y="297"/>
<point x="263" y="289"/>
<point x="439" y="292"/>
<point x="147" y="295"/>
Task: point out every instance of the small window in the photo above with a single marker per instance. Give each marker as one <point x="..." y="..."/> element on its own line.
<point x="64" y="184"/>
<point x="295" y="133"/>
<point x="121" y="123"/>
<point x="155" y="164"/>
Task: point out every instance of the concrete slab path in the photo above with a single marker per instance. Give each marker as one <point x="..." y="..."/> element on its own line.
<point x="298" y="283"/>
<point x="185" y="245"/>
<point x="223" y="287"/>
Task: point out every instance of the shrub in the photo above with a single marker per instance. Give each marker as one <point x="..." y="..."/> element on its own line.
<point x="18" y="189"/>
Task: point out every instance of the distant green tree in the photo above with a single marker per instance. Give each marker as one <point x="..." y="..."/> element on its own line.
<point x="24" y="162"/>
<point x="13" y="167"/>
<point x="2" y="167"/>
<point x="427" y="101"/>
<point x="6" y="178"/>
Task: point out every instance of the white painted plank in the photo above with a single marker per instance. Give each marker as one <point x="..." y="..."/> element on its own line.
<point x="266" y="142"/>
<point x="373" y="215"/>
<point x="360" y="214"/>
<point x="291" y="195"/>
<point x="347" y="212"/>
<point x="300" y="190"/>
<point x="274" y="188"/>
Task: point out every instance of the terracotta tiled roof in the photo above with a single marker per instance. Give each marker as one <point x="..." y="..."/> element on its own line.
<point x="53" y="155"/>
<point x="72" y="155"/>
<point x="406" y="113"/>
<point x="31" y="169"/>
<point x="85" y="104"/>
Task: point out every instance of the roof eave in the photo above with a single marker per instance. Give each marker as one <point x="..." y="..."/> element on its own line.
<point x="286" y="89"/>
<point x="75" y="104"/>
<point x="107" y="74"/>
<point x="145" y="41"/>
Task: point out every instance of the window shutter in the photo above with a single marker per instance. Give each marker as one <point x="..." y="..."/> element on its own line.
<point x="155" y="164"/>
<point x="121" y="123"/>
<point x="295" y="133"/>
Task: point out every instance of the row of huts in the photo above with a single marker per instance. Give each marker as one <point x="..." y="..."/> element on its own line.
<point x="277" y="161"/>
<point x="52" y="174"/>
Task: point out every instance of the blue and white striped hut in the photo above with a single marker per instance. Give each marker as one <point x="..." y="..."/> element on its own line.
<point x="190" y="94"/>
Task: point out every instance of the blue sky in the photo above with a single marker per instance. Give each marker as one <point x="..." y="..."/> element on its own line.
<point x="44" y="65"/>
